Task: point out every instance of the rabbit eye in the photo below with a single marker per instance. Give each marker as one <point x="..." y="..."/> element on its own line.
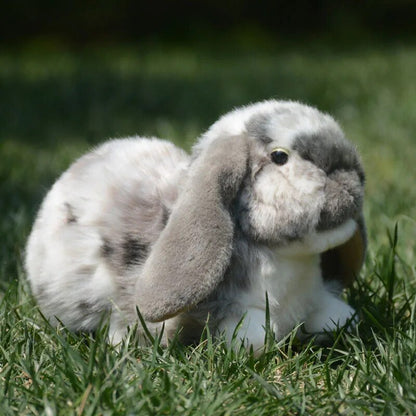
<point x="280" y="156"/>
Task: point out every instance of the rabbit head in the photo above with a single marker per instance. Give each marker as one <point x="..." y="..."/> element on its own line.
<point x="284" y="176"/>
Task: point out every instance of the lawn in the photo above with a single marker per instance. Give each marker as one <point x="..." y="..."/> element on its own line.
<point x="56" y="103"/>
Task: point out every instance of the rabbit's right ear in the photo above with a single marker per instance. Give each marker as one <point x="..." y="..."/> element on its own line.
<point x="190" y="257"/>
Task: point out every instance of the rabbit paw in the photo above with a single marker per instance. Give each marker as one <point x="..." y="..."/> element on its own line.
<point x="331" y="314"/>
<point x="249" y="330"/>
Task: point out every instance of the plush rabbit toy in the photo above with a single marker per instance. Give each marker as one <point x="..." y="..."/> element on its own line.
<point x="265" y="214"/>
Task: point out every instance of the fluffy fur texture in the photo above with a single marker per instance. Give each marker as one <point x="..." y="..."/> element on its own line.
<point x="137" y="222"/>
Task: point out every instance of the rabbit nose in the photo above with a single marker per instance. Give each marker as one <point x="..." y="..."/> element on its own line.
<point x="332" y="215"/>
<point x="343" y="199"/>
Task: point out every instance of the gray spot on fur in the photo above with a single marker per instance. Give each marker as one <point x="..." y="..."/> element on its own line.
<point x="329" y="151"/>
<point x="106" y="249"/>
<point x="85" y="307"/>
<point x="338" y="158"/>
<point x="165" y="216"/>
<point x="86" y="270"/>
<point x="71" y="218"/>
<point x="257" y="127"/>
<point x="135" y="251"/>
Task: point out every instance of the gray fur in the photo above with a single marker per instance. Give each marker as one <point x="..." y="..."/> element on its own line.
<point x="71" y="218"/>
<point x="106" y="249"/>
<point x="244" y="262"/>
<point x="191" y="255"/>
<point x="329" y="150"/>
<point x="257" y="127"/>
<point x="86" y="307"/>
<point x="135" y="251"/>
<point x="344" y="198"/>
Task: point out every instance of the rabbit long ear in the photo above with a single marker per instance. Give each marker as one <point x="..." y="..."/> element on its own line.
<point x="344" y="262"/>
<point x="190" y="257"/>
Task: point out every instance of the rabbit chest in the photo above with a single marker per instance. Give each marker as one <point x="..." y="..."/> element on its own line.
<point x="292" y="285"/>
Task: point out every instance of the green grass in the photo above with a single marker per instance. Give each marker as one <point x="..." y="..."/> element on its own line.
<point x="57" y="103"/>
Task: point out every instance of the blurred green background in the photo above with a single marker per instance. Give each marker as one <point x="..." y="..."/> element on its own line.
<point x="78" y="21"/>
<point x="74" y="73"/>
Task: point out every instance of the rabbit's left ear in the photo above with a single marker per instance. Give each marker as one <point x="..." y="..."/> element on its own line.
<point x="190" y="257"/>
<point x="344" y="262"/>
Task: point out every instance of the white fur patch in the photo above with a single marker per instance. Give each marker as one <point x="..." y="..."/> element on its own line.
<point x="296" y="294"/>
<point x="319" y="242"/>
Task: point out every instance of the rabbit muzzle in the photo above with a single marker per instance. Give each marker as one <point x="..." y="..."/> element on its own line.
<point x="343" y="199"/>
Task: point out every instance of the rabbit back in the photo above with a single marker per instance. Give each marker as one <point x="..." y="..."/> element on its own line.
<point x="96" y="226"/>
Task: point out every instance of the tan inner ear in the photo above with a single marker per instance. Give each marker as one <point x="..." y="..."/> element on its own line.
<point x="344" y="262"/>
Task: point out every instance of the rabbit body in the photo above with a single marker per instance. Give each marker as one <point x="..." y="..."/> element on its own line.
<point x="95" y="228"/>
<point x="215" y="235"/>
